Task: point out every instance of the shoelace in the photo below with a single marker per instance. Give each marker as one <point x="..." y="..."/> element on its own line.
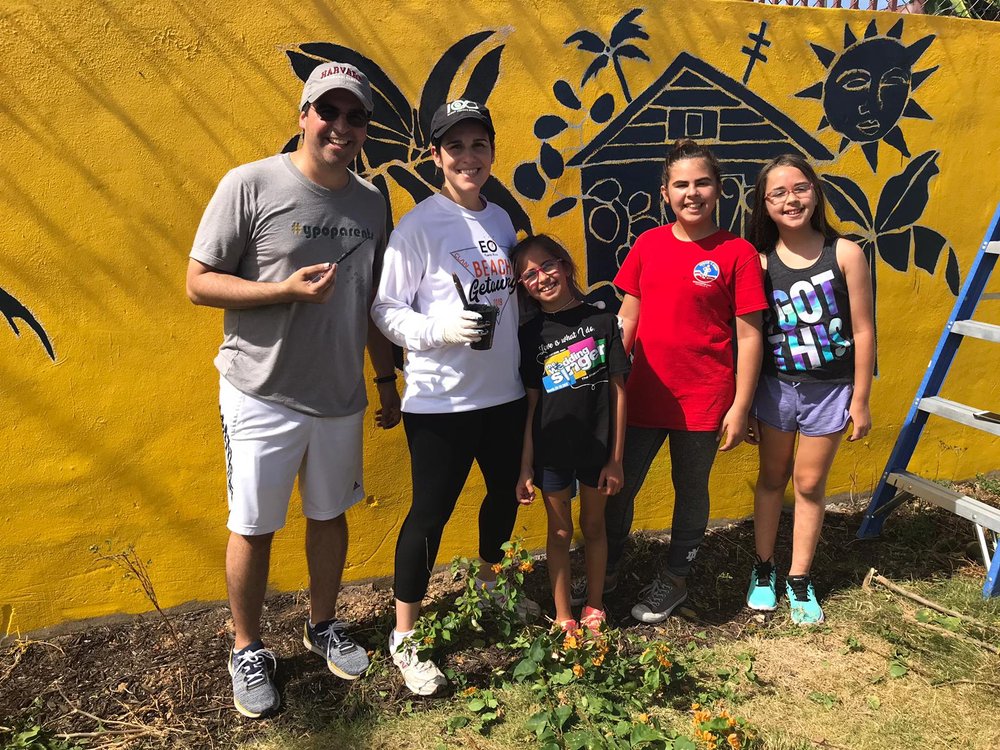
<point x="253" y="666"/>
<point x="656" y="594"/>
<point x="762" y="571"/>
<point x="800" y="587"/>
<point x="337" y="638"/>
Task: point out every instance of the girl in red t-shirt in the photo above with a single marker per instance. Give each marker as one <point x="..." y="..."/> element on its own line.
<point x="685" y="285"/>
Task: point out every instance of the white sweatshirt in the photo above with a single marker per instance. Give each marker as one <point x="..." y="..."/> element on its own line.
<point x="436" y="239"/>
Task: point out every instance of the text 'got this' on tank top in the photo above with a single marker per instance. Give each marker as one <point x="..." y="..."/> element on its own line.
<point x="808" y="321"/>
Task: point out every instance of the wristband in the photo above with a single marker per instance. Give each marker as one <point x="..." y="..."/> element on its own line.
<point x="385" y="379"/>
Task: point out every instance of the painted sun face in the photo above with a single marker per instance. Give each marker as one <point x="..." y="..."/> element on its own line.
<point x="869" y="88"/>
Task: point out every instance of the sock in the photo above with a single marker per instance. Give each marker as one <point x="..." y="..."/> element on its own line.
<point x="255" y="646"/>
<point x="396" y="638"/>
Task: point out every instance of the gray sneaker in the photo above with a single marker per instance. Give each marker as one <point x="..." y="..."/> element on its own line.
<point x="252" y="670"/>
<point x="658" y="600"/>
<point x="578" y="588"/>
<point x="344" y="657"/>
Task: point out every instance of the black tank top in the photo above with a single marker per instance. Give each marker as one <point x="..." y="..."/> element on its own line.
<point x="807" y="326"/>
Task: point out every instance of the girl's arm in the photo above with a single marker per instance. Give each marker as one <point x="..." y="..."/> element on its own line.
<point x="611" y="475"/>
<point x="750" y="347"/>
<point x="629" y="316"/>
<point x="525" y="483"/>
<point x="853" y="263"/>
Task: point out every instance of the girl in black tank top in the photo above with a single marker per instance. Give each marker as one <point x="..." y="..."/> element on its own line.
<point x="819" y="356"/>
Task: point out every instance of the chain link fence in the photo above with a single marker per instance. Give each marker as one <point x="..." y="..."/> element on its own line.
<point x="983" y="10"/>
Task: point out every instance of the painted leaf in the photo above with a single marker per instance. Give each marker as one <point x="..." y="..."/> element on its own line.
<point x="606" y="190"/>
<point x="496" y="192"/>
<point x="549" y="126"/>
<point x="551" y="161"/>
<point x="847" y="199"/>
<point x="632" y="52"/>
<point x="441" y="77"/>
<point x="626" y="28"/>
<point x="411" y="183"/>
<point x="593" y="69"/>
<point x="391" y="107"/>
<point x="927" y="247"/>
<point x="292" y="146"/>
<point x="12" y="309"/>
<point x="561" y="206"/>
<point x="586" y="40"/>
<point x="528" y="181"/>
<point x="603" y="108"/>
<point x="894" y="249"/>
<point x="565" y="95"/>
<point x="484" y="77"/>
<point x="951" y="272"/>
<point x="904" y="196"/>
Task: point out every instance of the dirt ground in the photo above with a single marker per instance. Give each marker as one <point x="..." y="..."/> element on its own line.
<point x="131" y="685"/>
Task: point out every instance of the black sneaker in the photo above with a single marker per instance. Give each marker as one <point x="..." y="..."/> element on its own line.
<point x="252" y="670"/>
<point x="344" y="657"/>
<point x="578" y="588"/>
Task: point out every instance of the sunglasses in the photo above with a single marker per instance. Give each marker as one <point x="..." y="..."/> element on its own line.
<point x="549" y="267"/>
<point x="356" y="118"/>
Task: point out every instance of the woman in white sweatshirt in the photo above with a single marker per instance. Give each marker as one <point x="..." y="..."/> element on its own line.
<point x="460" y="403"/>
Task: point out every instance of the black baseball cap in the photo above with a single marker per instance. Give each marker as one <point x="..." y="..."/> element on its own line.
<point x="452" y="113"/>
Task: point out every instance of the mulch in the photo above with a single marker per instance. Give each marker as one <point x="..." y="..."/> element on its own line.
<point x="130" y="685"/>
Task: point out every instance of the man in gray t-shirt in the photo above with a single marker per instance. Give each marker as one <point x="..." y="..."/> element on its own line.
<point x="290" y="247"/>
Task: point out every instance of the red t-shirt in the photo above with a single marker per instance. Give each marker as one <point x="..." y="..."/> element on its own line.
<point x="689" y="296"/>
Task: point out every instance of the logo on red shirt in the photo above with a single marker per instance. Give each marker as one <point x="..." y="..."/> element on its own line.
<point x="706" y="272"/>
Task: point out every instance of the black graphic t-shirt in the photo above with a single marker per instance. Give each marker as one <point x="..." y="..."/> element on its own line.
<point x="808" y="321"/>
<point x="569" y="356"/>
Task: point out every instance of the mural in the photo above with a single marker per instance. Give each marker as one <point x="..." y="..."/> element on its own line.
<point x="120" y="443"/>
<point x="13" y="310"/>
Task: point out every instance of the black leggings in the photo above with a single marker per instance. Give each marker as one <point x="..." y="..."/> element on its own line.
<point x="442" y="447"/>
<point x="691" y="457"/>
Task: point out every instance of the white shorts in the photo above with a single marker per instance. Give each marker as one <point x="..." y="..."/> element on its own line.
<point x="268" y="444"/>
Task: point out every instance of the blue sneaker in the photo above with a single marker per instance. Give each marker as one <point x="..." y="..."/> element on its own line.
<point x="763" y="592"/>
<point x="344" y="657"/>
<point x="252" y="670"/>
<point x="802" y="600"/>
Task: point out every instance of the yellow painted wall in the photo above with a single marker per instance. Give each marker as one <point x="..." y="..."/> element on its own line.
<point x="117" y="119"/>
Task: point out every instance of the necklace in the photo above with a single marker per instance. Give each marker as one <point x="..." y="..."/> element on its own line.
<point x="553" y="312"/>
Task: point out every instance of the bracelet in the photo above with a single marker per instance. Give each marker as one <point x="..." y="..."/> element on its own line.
<point x="385" y="379"/>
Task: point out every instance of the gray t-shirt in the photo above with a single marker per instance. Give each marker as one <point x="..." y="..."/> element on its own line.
<point x="265" y="221"/>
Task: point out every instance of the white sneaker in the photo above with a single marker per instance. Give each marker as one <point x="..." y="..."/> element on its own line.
<point x="421" y="677"/>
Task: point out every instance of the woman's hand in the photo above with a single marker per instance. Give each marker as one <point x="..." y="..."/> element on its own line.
<point x="611" y="478"/>
<point x="861" y="416"/>
<point x="526" y="487"/>
<point x="734" y="428"/>
<point x="753" y="431"/>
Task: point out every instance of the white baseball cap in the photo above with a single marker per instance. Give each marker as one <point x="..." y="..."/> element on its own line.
<point x="335" y="75"/>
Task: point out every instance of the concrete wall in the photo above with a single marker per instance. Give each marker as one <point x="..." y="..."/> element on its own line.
<point x="117" y="120"/>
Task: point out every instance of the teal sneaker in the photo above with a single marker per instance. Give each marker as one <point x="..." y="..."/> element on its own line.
<point x="763" y="592"/>
<point x="802" y="600"/>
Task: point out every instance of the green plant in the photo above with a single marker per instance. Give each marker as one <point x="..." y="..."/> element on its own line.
<point x="34" y="737"/>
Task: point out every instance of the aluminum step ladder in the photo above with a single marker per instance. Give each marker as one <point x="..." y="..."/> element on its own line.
<point x="898" y="485"/>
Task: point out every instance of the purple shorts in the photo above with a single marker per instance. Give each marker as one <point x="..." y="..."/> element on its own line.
<point x="812" y="409"/>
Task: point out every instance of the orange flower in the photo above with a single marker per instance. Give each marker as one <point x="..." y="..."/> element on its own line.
<point x="570" y="642"/>
<point x="578" y="670"/>
<point x="734" y="741"/>
<point x="510" y="553"/>
<point x="469" y="691"/>
<point x="643" y="718"/>
<point x="526" y="566"/>
<point x="497" y="568"/>
<point x="597" y="660"/>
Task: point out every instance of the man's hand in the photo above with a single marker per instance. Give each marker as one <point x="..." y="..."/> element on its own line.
<point x="734" y="428"/>
<point x="312" y="284"/>
<point x="388" y="414"/>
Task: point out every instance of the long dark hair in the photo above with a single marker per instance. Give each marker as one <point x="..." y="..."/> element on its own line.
<point x="554" y="248"/>
<point x="688" y="149"/>
<point x="763" y="232"/>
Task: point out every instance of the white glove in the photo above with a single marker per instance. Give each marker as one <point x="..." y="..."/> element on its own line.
<point x="459" y="327"/>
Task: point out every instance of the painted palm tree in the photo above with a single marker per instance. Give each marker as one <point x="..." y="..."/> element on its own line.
<point x="398" y="143"/>
<point x="13" y="310"/>
<point x="613" y="50"/>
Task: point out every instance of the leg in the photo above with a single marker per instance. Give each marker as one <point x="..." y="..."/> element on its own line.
<point x="813" y="460"/>
<point x="641" y="446"/>
<point x="326" y="553"/>
<point x="592" y="524"/>
<point x="247" y="562"/>
<point x="691" y="458"/>
<point x="440" y="459"/>
<point x="559" y="509"/>
<point x="777" y="448"/>
<point x="499" y="457"/>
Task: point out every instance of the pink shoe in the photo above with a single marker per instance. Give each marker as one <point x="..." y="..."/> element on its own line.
<point x="568" y="626"/>
<point x="593" y="619"/>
